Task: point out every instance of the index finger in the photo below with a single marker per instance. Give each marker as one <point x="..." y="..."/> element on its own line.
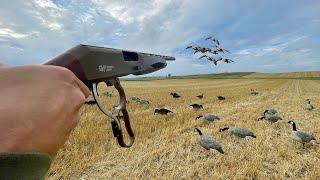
<point x="85" y="90"/>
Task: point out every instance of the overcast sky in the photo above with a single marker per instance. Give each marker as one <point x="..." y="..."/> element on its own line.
<point x="263" y="36"/>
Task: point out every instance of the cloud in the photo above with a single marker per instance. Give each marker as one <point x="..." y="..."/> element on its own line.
<point x="132" y="11"/>
<point x="264" y="38"/>
<point x="6" y="32"/>
<point x="46" y="4"/>
<point x="54" y="26"/>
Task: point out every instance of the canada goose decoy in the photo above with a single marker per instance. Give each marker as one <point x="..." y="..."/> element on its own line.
<point x="208" y="117"/>
<point x="200" y="96"/>
<point x="143" y="102"/>
<point x="196" y="106"/>
<point x="253" y="92"/>
<point x="240" y="132"/>
<point x="272" y="111"/>
<point x="269" y="117"/>
<point x="134" y="98"/>
<point x="162" y="111"/>
<point x="108" y="94"/>
<point x="214" y="40"/>
<point x="309" y="105"/>
<point x="208" y="142"/>
<point x="300" y="136"/>
<point x="221" y="98"/>
<point x="90" y="102"/>
<point x="175" y="95"/>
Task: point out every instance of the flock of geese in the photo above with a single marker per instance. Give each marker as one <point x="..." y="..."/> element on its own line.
<point x="208" y="53"/>
<point x="208" y="142"/>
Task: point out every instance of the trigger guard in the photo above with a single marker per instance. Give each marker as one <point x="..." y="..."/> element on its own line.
<point x="95" y="97"/>
<point x="115" y="115"/>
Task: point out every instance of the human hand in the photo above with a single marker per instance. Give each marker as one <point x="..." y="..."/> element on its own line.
<point x="39" y="107"/>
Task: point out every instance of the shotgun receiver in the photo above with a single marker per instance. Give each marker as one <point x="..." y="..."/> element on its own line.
<point x="93" y="65"/>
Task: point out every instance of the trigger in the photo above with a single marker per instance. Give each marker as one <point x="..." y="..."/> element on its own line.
<point x="108" y="83"/>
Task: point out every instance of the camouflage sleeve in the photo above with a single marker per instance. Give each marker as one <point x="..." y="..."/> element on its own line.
<point x="26" y="165"/>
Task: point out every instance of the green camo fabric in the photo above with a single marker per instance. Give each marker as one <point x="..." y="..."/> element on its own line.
<point x="25" y="165"/>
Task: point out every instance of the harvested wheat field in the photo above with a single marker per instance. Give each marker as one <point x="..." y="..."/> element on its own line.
<point x="310" y="74"/>
<point x="167" y="148"/>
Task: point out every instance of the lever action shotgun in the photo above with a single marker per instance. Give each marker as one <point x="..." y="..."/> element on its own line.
<point x="93" y="64"/>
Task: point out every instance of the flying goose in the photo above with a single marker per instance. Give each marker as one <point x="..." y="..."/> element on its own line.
<point x="300" y="136"/>
<point x="196" y="106"/>
<point x="215" y="62"/>
<point x="208" y="117"/>
<point x="215" y="52"/>
<point x="195" y="48"/>
<point x="222" y="50"/>
<point x="208" y="142"/>
<point x="214" y="40"/>
<point x="240" y="132"/>
<point x="162" y="111"/>
<point x="226" y="60"/>
<point x="309" y="105"/>
<point x="204" y="49"/>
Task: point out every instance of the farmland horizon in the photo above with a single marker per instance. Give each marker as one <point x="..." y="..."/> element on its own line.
<point x="240" y="74"/>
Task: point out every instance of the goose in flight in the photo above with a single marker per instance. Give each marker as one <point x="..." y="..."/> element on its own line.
<point x="215" y="62"/>
<point x="205" y="49"/>
<point x="215" y="40"/>
<point x="226" y="60"/>
<point x="214" y="52"/>
<point x="222" y="50"/>
<point x="195" y="48"/>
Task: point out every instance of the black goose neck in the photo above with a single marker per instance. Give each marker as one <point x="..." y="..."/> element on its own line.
<point x="198" y="130"/>
<point x="294" y="127"/>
